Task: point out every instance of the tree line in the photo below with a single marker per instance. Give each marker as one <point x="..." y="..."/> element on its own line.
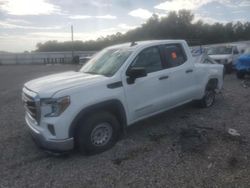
<point x="177" y="25"/>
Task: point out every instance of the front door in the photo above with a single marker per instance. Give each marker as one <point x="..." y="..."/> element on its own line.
<point x="147" y="94"/>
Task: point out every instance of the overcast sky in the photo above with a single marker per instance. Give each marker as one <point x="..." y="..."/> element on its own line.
<point x="24" y="23"/>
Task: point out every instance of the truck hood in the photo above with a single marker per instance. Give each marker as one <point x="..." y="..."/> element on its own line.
<point x="222" y="56"/>
<point x="49" y="85"/>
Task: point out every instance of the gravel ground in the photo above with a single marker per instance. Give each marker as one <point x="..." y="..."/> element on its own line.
<point x="169" y="150"/>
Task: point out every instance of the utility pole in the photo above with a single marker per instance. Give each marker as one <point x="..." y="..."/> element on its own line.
<point x="72" y="42"/>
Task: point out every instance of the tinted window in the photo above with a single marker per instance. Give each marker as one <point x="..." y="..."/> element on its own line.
<point x="149" y="59"/>
<point x="174" y="55"/>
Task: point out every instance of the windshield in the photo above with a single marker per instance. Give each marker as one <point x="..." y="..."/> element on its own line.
<point x="247" y="51"/>
<point x="219" y="50"/>
<point x="107" y="62"/>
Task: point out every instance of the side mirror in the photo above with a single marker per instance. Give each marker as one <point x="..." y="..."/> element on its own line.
<point x="134" y="73"/>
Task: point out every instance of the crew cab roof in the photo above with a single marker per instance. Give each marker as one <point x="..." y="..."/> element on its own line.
<point x="136" y="45"/>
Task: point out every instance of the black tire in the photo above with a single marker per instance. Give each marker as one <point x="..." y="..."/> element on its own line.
<point x="229" y="68"/>
<point x="224" y="72"/>
<point x="240" y="75"/>
<point x="85" y="134"/>
<point x="208" y="99"/>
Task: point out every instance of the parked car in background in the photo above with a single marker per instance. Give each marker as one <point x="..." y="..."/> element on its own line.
<point x="243" y="64"/>
<point x="197" y="51"/>
<point x="119" y="86"/>
<point x="83" y="60"/>
<point x="225" y="55"/>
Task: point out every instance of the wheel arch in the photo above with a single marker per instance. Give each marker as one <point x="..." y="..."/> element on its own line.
<point x="212" y="83"/>
<point x="114" y="106"/>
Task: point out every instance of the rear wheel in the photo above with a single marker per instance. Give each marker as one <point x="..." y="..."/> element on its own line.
<point x="229" y="68"/>
<point x="208" y="99"/>
<point x="97" y="133"/>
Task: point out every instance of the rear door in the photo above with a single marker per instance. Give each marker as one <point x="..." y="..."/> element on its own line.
<point x="181" y="72"/>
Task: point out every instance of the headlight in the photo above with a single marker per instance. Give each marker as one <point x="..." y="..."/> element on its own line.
<point x="57" y="106"/>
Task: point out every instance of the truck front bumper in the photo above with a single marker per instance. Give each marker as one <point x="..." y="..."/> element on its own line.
<point x="49" y="144"/>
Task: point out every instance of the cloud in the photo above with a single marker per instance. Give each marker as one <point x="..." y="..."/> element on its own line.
<point x="17" y="21"/>
<point x="28" y="7"/>
<point x="141" y="13"/>
<point x="110" y="17"/>
<point x="80" y="17"/>
<point x="208" y="19"/>
<point x="245" y="4"/>
<point x="238" y="11"/>
<point x="100" y="3"/>
<point x="176" y="5"/>
<point x="65" y="36"/>
<point x="9" y="25"/>
<point x="83" y="17"/>
<point x="126" y="27"/>
<point x="161" y="15"/>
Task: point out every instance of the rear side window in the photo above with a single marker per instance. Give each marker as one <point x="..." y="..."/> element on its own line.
<point x="208" y="61"/>
<point x="174" y="55"/>
<point x="150" y="59"/>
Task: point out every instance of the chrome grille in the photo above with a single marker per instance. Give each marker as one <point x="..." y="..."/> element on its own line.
<point x="31" y="104"/>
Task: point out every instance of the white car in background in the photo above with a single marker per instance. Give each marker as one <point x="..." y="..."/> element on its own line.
<point x="84" y="59"/>
<point x="225" y="55"/>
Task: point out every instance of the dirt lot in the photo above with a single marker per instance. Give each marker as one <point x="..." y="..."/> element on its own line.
<point x="158" y="152"/>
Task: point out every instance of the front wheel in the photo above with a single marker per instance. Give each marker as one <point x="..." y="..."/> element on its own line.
<point x="208" y="99"/>
<point x="99" y="132"/>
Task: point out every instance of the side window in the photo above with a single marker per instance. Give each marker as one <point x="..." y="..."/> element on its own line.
<point x="150" y="59"/>
<point x="174" y="55"/>
<point x="208" y="61"/>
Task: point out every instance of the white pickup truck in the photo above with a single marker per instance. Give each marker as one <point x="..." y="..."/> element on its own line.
<point x="119" y="86"/>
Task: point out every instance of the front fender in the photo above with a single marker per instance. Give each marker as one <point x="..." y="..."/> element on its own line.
<point x="113" y="105"/>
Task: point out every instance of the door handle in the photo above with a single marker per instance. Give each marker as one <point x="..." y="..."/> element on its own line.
<point x="163" y="77"/>
<point x="189" y="70"/>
